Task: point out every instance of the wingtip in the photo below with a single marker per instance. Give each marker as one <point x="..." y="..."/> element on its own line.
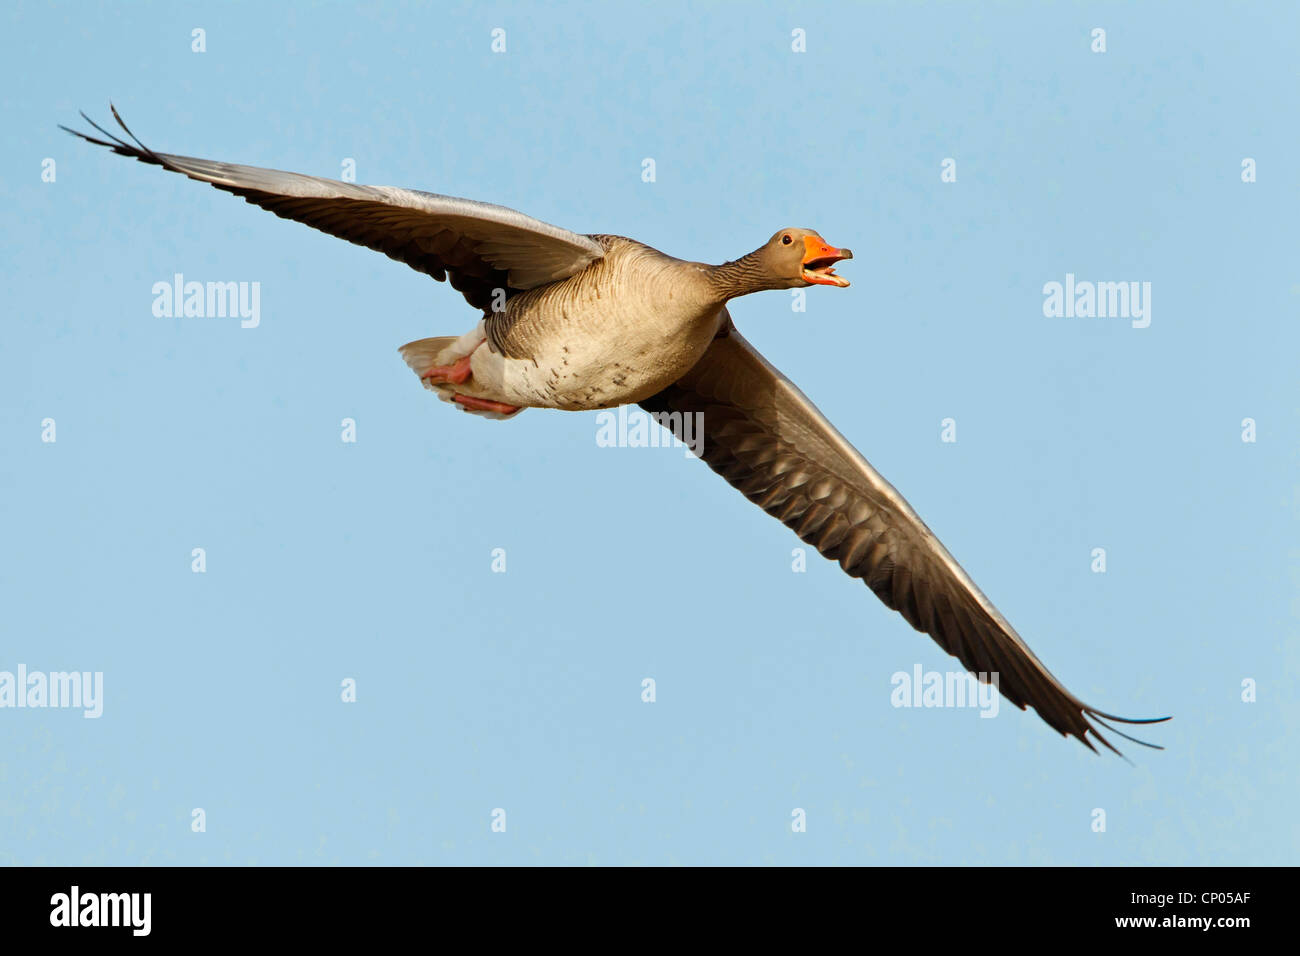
<point x="118" y="145"/>
<point x="1131" y="720"/>
<point x="126" y="129"/>
<point x="1096" y="715"/>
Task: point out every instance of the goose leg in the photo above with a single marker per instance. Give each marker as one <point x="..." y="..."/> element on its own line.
<point x="485" y="405"/>
<point x="456" y="373"/>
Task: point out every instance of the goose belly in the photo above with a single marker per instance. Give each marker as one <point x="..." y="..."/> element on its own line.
<point x="599" y="356"/>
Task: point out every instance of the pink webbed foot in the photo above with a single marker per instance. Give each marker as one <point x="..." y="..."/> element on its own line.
<point x="485" y="405"/>
<point x="455" y="374"/>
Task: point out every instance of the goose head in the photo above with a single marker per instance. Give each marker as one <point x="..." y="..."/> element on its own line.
<point x="801" y="257"/>
<point x="792" y="259"/>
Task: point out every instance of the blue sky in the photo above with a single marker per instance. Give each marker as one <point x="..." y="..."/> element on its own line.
<point x="371" y="560"/>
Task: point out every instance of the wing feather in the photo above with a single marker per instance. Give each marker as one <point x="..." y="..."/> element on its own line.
<point x="767" y="439"/>
<point x="481" y="246"/>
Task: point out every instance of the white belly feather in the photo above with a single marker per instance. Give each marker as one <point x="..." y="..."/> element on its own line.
<point x="623" y="330"/>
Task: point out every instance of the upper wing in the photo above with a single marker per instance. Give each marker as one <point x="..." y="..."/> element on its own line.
<point x="481" y="246"/>
<point x="765" y="437"/>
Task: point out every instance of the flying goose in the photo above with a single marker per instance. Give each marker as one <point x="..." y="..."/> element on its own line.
<point x="574" y="322"/>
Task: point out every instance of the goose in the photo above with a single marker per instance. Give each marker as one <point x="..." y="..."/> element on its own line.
<point x="577" y="322"/>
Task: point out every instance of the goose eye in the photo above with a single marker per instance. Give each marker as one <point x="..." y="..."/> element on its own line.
<point x="786" y="240"/>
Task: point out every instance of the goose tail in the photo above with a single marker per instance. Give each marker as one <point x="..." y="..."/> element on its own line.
<point x="424" y="354"/>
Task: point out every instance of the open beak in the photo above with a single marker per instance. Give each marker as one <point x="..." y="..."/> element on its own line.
<point x="819" y="262"/>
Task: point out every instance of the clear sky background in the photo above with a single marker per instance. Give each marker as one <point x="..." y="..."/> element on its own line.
<point x="372" y="560"/>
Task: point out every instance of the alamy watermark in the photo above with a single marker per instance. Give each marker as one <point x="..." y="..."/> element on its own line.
<point x="635" y="428"/>
<point x="950" y="689"/>
<point x="63" y="689"/>
<point x="1100" y="300"/>
<point x="129" y="910"/>
<point x="208" y="300"/>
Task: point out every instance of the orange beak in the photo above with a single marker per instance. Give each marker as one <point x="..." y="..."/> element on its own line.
<point x="819" y="262"/>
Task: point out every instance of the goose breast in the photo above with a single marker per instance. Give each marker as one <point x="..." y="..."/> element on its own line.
<point x="621" y="330"/>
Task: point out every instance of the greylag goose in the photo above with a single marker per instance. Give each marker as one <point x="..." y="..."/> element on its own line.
<point x="573" y="321"/>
